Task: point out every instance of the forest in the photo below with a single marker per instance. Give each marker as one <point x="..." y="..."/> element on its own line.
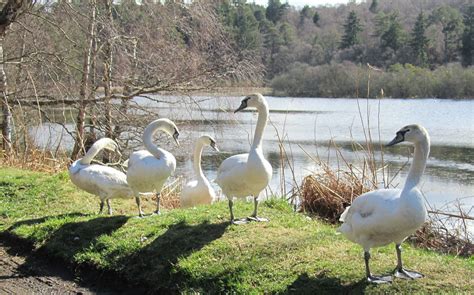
<point x="93" y="57"/>
<point x="418" y="48"/>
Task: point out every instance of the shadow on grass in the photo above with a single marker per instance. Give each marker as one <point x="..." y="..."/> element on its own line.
<point x="43" y="219"/>
<point x="154" y="264"/>
<point x="61" y="245"/>
<point x="321" y="284"/>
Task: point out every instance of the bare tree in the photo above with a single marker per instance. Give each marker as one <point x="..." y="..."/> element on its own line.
<point x="10" y="12"/>
<point x="81" y="116"/>
<point x="79" y="58"/>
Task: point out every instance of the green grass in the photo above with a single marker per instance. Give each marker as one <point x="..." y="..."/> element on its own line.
<point x="197" y="250"/>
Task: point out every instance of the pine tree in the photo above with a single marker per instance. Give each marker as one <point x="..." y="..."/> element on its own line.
<point x="419" y="42"/>
<point x="304" y="14"/>
<point x="452" y="27"/>
<point x="467" y="50"/>
<point x="275" y="10"/>
<point x="373" y="7"/>
<point x="352" y="28"/>
<point x="393" y="36"/>
<point x="316" y="18"/>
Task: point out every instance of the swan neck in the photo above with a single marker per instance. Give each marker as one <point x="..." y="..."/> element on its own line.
<point x="92" y="152"/>
<point x="422" y="150"/>
<point x="261" y="123"/>
<point x="197" y="160"/>
<point x="150" y="130"/>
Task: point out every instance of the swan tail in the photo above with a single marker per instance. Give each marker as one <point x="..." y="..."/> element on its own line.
<point x="344" y="214"/>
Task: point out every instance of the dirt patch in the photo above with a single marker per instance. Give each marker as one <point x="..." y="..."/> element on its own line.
<point x="21" y="273"/>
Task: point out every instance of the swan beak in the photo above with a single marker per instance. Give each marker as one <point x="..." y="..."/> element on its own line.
<point x="213" y="145"/>
<point x="243" y="105"/>
<point x="175" y="137"/>
<point x="400" y="137"/>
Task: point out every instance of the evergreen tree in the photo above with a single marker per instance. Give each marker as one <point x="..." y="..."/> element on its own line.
<point x="272" y="42"/>
<point x="275" y="10"/>
<point x="316" y="18"/>
<point x="467" y="50"/>
<point x="394" y="35"/>
<point x="246" y="28"/>
<point x="419" y="42"/>
<point x="304" y="14"/>
<point x="373" y="7"/>
<point x="452" y="26"/>
<point x="352" y="28"/>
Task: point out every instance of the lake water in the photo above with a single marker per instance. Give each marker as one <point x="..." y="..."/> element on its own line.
<point x="308" y="125"/>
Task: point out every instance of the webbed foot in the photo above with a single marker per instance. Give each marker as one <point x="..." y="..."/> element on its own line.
<point x="239" y="221"/>
<point x="257" y="219"/>
<point x="379" y="279"/>
<point x="407" y="274"/>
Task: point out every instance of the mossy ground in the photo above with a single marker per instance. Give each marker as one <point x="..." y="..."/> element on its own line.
<point x="197" y="250"/>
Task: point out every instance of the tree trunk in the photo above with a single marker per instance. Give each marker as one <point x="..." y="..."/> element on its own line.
<point x="6" y="111"/>
<point x="127" y="89"/>
<point x="9" y="13"/>
<point x="81" y="116"/>
<point x="108" y="69"/>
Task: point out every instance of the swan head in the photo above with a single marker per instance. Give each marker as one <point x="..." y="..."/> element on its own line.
<point x="109" y="145"/>
<point x="208" y="140"/>
<point x="254" y="100"/>
<point x="167" y="126"/>
<point x="411" y="133"/>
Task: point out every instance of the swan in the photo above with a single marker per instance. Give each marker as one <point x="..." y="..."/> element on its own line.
<point x="199" y="191"/>
<point x="383" y="216"/>
<point x="149" y="169"/>
<point x="103" y="181"/>
<point x="247" y="174"/>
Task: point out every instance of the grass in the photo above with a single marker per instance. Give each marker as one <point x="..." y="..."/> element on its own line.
<point x="197" y="250"/>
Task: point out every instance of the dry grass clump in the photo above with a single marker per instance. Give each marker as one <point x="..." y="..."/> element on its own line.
<point x="170" y="194"/>
<point x="37" y="160"/>
<point x="434" y="237"/>
<point x="329" y="192"/>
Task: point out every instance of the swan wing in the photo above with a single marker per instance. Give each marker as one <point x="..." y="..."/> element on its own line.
<point x="231" y="164"/>
<point x="146" y="173"/>
<point x="102" y="181"/>
<point x="196" y="193"/>
<point x="232" y="175"/>
<point x="370" y="215"/>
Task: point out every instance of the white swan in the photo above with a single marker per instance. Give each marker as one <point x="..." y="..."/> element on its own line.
<point x="383" y="216"/>
<point x="247" y="174"/>
<point x="149" y="169"/>
<point x="199" y="191"/>
<point x="103" y="181"/>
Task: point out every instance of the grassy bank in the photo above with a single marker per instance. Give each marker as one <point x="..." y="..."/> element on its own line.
<point x="198" y="250"/>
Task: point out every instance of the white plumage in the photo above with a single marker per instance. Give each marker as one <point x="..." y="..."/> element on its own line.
<point x="149" y="169"/>
<point x="245" y="175"/>
<point x="386" y="216"/>
<point x="103" y="181"/>
<point x="199" y="191"/>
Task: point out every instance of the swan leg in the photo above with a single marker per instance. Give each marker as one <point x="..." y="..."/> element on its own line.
<point x="373" y="278"/>
<point x="139" y="205"/>
<point x="158" y="197"/>
<point x="232" y="219"/>
<point x="254" y="216"/>
<point x="402" y="273"/>
<point x="101" y="208"/>
<point x="231" y="204"/>
<point x="109" y="207"/>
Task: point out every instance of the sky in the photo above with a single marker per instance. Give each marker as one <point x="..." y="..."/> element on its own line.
<point x="301" y="3"/>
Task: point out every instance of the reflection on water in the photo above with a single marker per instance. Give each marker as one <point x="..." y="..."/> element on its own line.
<point x="307" y="125"/>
